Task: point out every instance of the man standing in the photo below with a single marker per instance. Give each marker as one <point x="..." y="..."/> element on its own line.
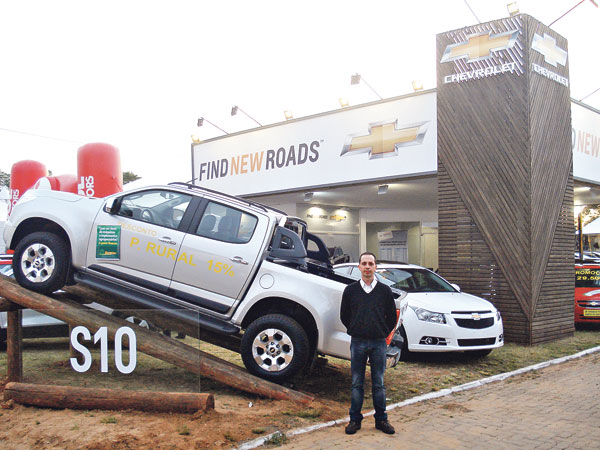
<point x="368" y="312"/>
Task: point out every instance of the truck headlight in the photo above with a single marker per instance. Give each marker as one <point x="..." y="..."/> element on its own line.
<point x="429" y="316"/>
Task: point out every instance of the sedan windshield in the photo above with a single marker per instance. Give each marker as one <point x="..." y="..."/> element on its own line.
<point x="414" y="280"/>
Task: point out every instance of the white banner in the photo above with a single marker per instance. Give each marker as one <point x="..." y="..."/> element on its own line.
<point x="390" y="139"/>
<point x="385" y="140"/>
<point x="586" y="143"/>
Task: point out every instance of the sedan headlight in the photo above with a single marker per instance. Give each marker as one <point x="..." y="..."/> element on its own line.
<point x="429" y="316"/>
<point x="498" y="316"/>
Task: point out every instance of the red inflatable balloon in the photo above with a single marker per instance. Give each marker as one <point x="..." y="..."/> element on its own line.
<point x="23" y="175"/>
<point x="99" y="170"/>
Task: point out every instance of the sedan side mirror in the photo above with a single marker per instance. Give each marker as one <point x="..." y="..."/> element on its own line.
<point x="455" y="286"/>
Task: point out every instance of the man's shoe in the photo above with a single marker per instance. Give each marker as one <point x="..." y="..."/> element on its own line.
<point x="352" y="427"/>
<point x="384" y="426"/>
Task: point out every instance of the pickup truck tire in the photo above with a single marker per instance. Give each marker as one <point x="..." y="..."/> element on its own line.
<point x="41" y="262"/>
<point x="275" y="347"/>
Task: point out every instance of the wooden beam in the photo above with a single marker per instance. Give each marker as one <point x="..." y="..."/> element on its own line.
<point x="14" y="344"/>
<point x="84" y="294"/>
<point x="153" y="344"/>
<point x="51" y="396"/>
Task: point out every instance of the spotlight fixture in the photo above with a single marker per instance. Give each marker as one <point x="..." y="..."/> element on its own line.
<point x="357" y="78"/>
<point x="308" y="196"/>
<point x="417" y="85"/>
<point x="201" y="121"/>
<point x="343" y="102"/>
<point x="382" y="189"/>
<point x="288" y="114"/>
<point x="236" y="108"/>
<point x="513" y="9"/>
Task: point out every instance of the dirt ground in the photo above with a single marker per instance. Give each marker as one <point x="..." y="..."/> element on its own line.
<point x="236" y="418"/>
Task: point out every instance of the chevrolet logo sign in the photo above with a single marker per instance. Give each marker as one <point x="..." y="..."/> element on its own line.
<point x="475" y="316"/>
<point x="480" y="46"/>
<point x="384" y="139"/>
<point x="546" y="45"/>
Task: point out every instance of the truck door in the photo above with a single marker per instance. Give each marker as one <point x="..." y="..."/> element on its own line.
<point x="139" y="239"/>
<point x="224" y="245"/>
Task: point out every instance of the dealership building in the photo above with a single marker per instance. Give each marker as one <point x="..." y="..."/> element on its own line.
<point x="478" y="179"/>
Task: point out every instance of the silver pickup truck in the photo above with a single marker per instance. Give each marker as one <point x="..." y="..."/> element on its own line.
<point x="224" y="264"/>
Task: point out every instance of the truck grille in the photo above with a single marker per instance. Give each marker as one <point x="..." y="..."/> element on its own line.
<point x="476" y="324"/>
<point x="476" y="342"/>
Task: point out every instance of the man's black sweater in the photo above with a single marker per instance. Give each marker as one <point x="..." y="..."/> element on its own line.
<point x="368" y="316"/>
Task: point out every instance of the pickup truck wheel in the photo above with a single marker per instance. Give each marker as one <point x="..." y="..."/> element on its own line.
<point x="41" y="262"/>
<point x="275" y="347"/>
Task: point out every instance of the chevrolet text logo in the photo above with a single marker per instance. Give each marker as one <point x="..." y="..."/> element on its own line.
<point x="384" y="139"/>
<point x="546" y="45"/>
<point x="480" y="46"/>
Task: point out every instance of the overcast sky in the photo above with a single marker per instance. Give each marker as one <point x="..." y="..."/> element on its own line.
<point x="138" y="74"/>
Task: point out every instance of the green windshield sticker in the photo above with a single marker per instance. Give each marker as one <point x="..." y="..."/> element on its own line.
<point x="108" y="242"/>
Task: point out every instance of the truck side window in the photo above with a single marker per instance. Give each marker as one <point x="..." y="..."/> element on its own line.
<point x="227" y="224"/>
<point x="163" y="208"/>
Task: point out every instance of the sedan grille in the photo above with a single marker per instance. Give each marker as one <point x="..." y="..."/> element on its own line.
<point x="476" y="324"/>
<point x="589" y="303"/>
<point x="476" y="342"/>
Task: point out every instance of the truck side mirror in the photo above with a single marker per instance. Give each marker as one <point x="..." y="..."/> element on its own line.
<point x="111" y="206"/>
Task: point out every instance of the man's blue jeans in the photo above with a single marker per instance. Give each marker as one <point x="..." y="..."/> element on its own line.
<point x="375" y="350"/>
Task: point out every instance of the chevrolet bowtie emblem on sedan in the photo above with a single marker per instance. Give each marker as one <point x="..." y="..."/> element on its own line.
<point x="480" y="46"/>
<point x="475" y="316"/>
<point x="384" y="139"/>
<point x="546" y="45"/>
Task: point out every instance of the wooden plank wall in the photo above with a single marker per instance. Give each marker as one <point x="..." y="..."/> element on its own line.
<point x="505" y="186"/>
<point x="465" y="259"/>
<point x="552" y="222"/>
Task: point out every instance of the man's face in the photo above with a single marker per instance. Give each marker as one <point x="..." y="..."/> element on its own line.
<point x="367" y="267"/>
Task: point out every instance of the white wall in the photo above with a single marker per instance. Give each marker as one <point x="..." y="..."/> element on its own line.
<point x="392" y="215"/>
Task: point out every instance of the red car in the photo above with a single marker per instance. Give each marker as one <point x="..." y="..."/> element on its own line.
<point x="587" y="293"/>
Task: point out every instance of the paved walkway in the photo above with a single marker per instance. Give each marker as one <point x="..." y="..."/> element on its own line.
<point x="556" y="407"/>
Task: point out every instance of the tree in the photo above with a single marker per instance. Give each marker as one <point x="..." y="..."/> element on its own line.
<point x="4" y="179"/>
<point x="128" y="177"/>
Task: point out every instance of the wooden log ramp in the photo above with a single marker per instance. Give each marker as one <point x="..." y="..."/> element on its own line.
<point x="51" y="396"/>
<point x="152" y="343"/>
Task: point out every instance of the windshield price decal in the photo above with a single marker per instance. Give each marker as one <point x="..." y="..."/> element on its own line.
<point x="588" y="274"/>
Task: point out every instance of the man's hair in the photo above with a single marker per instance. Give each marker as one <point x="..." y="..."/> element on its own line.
<point x="367" y="253"/>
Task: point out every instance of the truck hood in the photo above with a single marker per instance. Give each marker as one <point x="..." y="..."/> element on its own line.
<point x="446" y="302"/>
<point x="31" y="194"/>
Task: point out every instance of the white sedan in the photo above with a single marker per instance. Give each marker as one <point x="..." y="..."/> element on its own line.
<point x="439" y="317"/>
